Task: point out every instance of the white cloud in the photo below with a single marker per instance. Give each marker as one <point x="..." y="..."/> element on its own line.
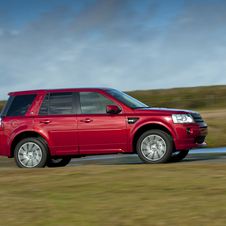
<point x="110" y="44"/>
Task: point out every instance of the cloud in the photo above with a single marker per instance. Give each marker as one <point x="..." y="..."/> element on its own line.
<point x="115" y="43"/>
<point x="97" y="15"/>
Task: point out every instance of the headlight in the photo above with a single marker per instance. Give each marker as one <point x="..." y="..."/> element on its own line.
<point x="182" y="118"/>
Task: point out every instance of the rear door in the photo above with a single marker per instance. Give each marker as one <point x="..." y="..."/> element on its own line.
<point x="57" y="121"/>
<point x="100" y="132"/>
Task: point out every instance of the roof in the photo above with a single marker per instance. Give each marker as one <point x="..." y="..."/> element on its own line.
<point x="40" y="91"/>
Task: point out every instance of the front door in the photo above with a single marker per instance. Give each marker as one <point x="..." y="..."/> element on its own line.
<point x="100" y="132"/>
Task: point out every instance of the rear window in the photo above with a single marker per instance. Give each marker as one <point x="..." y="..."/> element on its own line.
<point x="57" y="104"/>
<point x="20" y="105"/>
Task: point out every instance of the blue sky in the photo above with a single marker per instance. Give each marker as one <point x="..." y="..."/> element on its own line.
<point x="123" y="44"/>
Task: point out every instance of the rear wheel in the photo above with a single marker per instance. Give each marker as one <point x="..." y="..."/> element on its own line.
<point x="31" y="153"/>
<point x="154" y="146"/>
<point x="59" y="162"/>
<point x="179" y="155"/>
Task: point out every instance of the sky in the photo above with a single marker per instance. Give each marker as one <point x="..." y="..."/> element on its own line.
<point x="123" y="44"/>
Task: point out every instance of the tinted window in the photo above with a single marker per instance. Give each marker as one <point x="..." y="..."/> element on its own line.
<point x="94" y="103"/>
<point x="20" y="105"/>
<point x="57" y="104"/>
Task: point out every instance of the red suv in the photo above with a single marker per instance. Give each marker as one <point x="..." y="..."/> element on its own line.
<point x="49" y="127"/>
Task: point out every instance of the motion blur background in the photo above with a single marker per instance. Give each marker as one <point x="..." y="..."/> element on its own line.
<point x="173" y="51"/>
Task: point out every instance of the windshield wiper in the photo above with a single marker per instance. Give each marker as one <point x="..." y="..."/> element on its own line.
<point x="140" y="107"/>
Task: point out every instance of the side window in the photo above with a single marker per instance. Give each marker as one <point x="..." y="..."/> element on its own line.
<point x="20" y="105"/>
<point x="94" y="103"/>
<point x="57" y="104"/>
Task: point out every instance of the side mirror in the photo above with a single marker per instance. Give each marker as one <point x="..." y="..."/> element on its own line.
<point x="113" y="109"/>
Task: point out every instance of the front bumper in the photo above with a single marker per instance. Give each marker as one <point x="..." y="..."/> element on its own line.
<point x="190" y="136"/>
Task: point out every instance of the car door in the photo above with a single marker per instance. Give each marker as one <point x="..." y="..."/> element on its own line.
<point x="56" y="120"/>
<point x="100" y="132"/>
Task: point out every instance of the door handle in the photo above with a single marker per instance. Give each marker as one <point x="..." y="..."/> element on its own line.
<point x="46" y="121"/>
<point x="87" y="120"/>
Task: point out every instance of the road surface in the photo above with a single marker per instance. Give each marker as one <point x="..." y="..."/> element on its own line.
<point x="202" y="155"/>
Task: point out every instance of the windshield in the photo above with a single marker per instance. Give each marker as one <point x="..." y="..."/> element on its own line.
<point x="126" y="99"/>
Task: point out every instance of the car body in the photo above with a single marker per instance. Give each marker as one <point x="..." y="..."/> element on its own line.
<point x="49" y="127"/>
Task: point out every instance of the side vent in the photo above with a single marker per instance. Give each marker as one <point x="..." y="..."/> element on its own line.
<point x="132" y="120"/>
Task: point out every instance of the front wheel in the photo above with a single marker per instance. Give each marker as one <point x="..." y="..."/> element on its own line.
<point x="31" y="153"/>
<point x="154" y="146"/>
<point x="59" y="162"/>
<point x="179" y="155"/>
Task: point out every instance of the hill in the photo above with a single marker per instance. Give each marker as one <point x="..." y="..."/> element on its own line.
<point x="194" y="98"/>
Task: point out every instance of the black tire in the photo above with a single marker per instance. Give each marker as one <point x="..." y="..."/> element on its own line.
<point x="31" y="153"/>
<point x="179" y="155"/>
<point x="59" y="162"/>
<point x="154" y="146"/>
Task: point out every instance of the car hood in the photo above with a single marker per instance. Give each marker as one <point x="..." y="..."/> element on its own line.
<point x="162" y="111"/>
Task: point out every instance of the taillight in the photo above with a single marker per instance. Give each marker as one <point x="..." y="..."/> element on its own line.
<point x="1" y="123"/>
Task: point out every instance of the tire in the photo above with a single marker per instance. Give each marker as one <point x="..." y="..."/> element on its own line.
<point x="179" y="155"/>
<point x="31" y="153"/>
<point x="59" y="162"/>
<point x="154" y="146"/>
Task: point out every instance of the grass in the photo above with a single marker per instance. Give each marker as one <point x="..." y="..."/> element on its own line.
<point x="194" y="98"/>
<point x="2" y="104"/>
<point x="171" y="194"/>
<point x="216" y="121"/>
<point x="126" y="195"/>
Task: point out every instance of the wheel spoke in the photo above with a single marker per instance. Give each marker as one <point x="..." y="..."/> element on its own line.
<point x="27" y="162"/>
<point x="156" y="147"/>
<point x="30" y="154"/>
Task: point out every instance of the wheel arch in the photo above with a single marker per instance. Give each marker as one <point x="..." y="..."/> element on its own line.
<point x="147" y="127"/>
<point x="24" y="135"/>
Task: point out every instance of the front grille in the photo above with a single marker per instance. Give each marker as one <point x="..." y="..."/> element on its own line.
<point x="197" y="117"/>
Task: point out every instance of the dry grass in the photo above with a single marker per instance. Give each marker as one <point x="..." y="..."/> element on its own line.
<point x="194" y="98"/>
<point x="216" y="121"/>
<point x="120" y="195"/>
<point x="2" y="103"/>
<point x="171" y="194"/>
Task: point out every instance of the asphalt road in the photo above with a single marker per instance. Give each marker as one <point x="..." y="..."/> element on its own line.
<point x="203" y="155"/>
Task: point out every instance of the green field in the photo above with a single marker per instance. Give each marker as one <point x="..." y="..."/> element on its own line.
<point x="131" y="194"/>
<point x="2" y="103"/>
<point x="125" y="195"/>
<point x="193" y="98"/>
